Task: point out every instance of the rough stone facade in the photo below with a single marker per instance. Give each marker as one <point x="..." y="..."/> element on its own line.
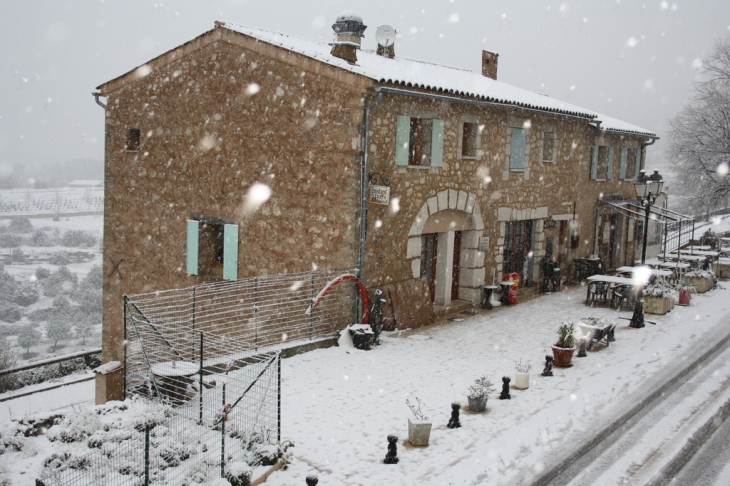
<point x="226" y="111"/>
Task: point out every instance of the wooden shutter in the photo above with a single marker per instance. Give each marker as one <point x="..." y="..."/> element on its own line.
<point x="637" y="165"/>
<point x="622" y="163"/>
<point x="518" y="143"/>
<point x="192" y="255"/>
<point x="402" y="140"/>
<point x="230" y="252"/>
<point x="594" y="162"/>
<point x="609" y="165"/>
<point x="437" y="143"/>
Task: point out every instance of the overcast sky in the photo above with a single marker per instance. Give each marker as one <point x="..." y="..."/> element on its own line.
<point x="629" y="59"/>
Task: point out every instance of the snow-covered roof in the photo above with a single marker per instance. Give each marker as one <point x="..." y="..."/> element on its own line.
<point x="429" y="76"/>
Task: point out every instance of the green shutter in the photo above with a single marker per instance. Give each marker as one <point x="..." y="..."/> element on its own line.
<point x="437" y="143"/>
<point x="622" y="163"/>
<point x="594" y="162"/>
<point x="192" y="256"/>
<point x="609" y="168"/>
<point x="518" y="144"/>
<point x="402" y="140"/>
<point x="637" y="165"/>
<point x="230" y="252"/>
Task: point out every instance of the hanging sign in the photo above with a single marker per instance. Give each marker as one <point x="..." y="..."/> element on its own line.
<point x="380" y="195"/>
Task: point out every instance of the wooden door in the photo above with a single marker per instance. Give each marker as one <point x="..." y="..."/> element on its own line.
<point x="429" y="251"/>
<point x="456" y="266"/>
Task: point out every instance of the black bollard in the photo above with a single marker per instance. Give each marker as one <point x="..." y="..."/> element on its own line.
<point x="505" y="389"/>
<point x="392" y="456"/>
<point x="312" y="480"/>
<point x="454" y="420"/>
<point x="582" y="351"/>
<point x="548" y="371"/>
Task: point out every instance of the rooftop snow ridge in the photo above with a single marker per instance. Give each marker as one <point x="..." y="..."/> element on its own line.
<point x="431" y="76"/>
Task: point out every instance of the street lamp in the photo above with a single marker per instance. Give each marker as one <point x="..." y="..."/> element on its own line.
<point x="647" y="190"/>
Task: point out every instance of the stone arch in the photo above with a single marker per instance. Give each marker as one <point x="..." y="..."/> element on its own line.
<point x="448" y="211"/>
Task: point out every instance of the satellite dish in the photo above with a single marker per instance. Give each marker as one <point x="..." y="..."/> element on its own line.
<point x="385" y="35"/>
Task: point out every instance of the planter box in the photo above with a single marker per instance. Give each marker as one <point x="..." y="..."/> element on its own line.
<point x="522" y="380"/>
<point x="700" y="283"/>
<point x="657" y="305"/>
<point x="723" y="270"/>
<point x="419" y="433"/>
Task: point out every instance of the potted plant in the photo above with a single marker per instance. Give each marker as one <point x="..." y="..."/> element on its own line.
<point x="522" y="375"/>
<point x="478" y="394"/>
<point x="685" y="292"/>
<point x="699" y="279"/>
<point x="565" y="345"/>
<point x="419" y="431"/>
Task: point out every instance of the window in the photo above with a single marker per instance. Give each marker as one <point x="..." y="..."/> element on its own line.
<point x="133" y="139"/>
<point x="601" y="163"/>
<point x="419" y="142"/>
<point x="518" y="149"/>
<point x="470" y="131"/>
<point x="212" y="248"/>
<point x="548" y="147"/>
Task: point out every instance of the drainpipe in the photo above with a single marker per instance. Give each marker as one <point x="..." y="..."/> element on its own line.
<point x="96" y="98"/>
<point x="364" y="186"/>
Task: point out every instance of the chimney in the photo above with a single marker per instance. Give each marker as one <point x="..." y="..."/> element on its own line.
<point x="489" y="64"/>
<point x="349" y="30"/>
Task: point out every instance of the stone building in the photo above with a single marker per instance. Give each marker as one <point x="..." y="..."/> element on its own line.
<point x="461" y="178"/>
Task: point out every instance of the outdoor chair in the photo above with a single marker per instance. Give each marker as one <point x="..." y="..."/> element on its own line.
<point x="621" y="294"/>
<point x="598" y="291"/>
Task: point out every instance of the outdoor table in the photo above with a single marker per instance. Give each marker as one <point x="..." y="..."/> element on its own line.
<point x="700" y="252"/>
<point x="506" y="286"/>
<point x="592" y="265"/>
<point x="487" y="291"/>
<point x="662" y="274"/>
<point x="688" y="258"/>
<point x="608" y="279"/>
<point x="174" y="378"/>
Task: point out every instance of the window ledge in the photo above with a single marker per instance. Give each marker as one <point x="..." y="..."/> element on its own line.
<point x="517" y="170"/>
<point x="469" y="157"/>
<point x="419" y="167"/>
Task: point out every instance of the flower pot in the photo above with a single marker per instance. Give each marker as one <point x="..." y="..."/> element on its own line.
<point x="419" y="432"/>
<point x="562" y="356"/>
<point x="656" y="305"/>
<point x="685" y="296"/>
<point x="477" y="404"/>
<point x="522" y="380"/>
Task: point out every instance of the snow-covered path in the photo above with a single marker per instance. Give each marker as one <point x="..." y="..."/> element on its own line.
<point x="339" y="405"/>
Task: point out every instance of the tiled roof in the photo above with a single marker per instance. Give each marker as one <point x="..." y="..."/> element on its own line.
<point x="433" y="77"/>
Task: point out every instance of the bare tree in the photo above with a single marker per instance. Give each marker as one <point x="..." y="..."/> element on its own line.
<point x="700" y="135"/>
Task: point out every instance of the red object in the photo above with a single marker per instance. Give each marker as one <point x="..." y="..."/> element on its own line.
<point x="685" y="296"/>
<point x="332" y="284"/>
<point x="512" y="295"/>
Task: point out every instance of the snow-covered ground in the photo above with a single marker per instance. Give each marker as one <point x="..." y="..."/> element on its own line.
<point x="339" y="404"/>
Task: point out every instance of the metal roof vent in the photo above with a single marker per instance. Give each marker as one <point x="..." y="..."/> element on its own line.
<point x="349" y="29"/>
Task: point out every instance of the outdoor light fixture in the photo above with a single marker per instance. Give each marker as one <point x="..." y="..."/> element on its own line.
<point x="647" y="190"/>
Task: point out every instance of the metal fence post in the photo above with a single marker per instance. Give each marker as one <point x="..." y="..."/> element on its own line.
<point x="200" y="385"/>
<point x="147" y="454"/>
<point x="193" y="326"/>
<point x="311" y="314"/>
<point x="255" y="311"/>
<point x="124" y="378"/>
<point x="278" y="400"/>
<point x="223" y="433"/>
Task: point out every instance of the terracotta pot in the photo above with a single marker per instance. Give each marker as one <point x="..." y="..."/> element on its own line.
<point x="562" y="356"/>
<point x="685" y="297"/>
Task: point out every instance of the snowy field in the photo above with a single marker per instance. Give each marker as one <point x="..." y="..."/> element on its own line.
<point x="48" y="263"/>
<point x="339" y="405"/>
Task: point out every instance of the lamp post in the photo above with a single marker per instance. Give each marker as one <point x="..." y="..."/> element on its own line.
<point x="647" y="190"/>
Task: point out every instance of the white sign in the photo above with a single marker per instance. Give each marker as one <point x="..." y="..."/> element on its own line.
<point x="484" y="244"/>
<point x="380" y="195"/>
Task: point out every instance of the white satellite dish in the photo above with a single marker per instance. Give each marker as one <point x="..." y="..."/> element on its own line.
<point x="385" y="35"/>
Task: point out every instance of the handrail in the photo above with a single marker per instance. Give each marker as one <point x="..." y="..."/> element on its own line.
<point x="50" y="361"/>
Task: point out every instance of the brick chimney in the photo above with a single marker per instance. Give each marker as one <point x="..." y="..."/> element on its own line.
<point x="349" y="30"/>
<point x="489" y="64"/>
